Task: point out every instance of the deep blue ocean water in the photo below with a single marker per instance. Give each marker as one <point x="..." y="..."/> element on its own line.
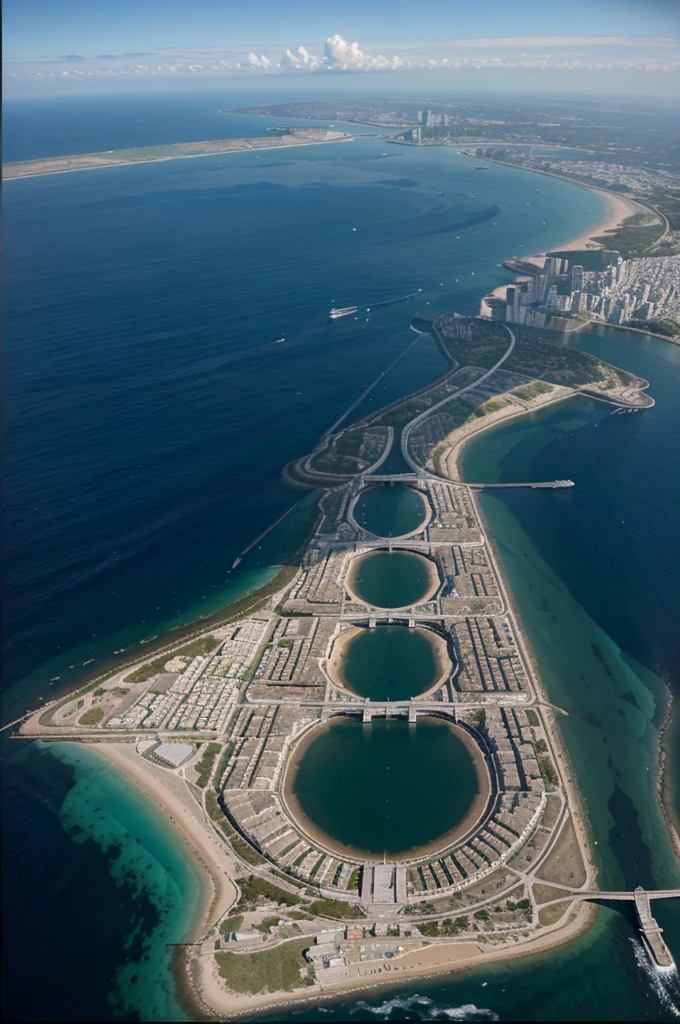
<point x="149" y="411"/>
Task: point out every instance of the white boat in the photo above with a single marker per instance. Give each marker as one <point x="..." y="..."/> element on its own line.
<point x="335" y="314"/>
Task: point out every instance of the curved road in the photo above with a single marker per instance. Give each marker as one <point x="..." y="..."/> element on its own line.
<point x="449" y="398"/>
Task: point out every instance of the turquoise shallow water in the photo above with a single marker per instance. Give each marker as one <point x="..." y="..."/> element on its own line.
<point x="141" y="427"/>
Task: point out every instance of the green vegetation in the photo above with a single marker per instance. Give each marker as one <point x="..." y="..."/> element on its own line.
<point x="205" y="766"/>
<point x="335" y="908"/>
<point x="532" y="390"/>
<point x="547" y="770"/>
<point x="668" y="328"/>
<point x="354" y="879"/>
<point x="524" y="904"/>
<point x="299" y="915"/>
<point x="481" y="915"/>
<point x="479" y="717"/>
<point x="245" y="851"/>
<point x="265" y="924"/>
<point x="488" y="342"/>
<point x="449" y="927"/>
<point x="269" y="970"/>
<point x="342" y="456"/>
<point x="492" y="405"/>
<point x="541" y="746"/>
<point x="203" y="645"/>
<point x="535" y="356"/>
<point x="286" y="644"/>
<point x="254" y="888"/>
<point x="92" y="717"/>
<point x="99" y="691"/>
<point x="222" y="763"/>
<point x="633" y="237"/>
<point x="231" y="924"/>
<point x="532" y="717"/>
<point x="429" y="929"/>
<point x="288" y="878"/>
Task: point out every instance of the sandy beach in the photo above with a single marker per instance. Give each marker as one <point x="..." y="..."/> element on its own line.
<point x="172" y="795"/>
<point x="436" y="959"/>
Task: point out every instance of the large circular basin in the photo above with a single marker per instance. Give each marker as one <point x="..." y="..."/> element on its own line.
<point x="392" y="579"/>
<point x="389" y="662"/>
<point x="390" y="511"/>
<point x="388" y="788"/>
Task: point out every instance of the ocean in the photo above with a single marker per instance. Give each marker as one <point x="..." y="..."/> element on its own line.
<point x="150" y="407"/>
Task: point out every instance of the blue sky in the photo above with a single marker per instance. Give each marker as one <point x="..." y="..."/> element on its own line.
<point x="88" y="45"/>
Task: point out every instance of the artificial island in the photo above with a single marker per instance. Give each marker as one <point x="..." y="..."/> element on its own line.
<point x="364" y="757"/>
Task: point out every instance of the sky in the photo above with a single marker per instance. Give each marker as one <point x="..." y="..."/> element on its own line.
<point x="599" y="46"/>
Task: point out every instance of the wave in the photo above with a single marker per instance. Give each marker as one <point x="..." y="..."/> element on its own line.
<point x="424" y="1008"/>
<point x="664" y="981"/>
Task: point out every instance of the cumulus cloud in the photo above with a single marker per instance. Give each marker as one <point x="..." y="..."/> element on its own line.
<point x="300" y="59"/>
<point x="260" y="63"/>
<point x="342" y="55"/>
<point x="569" y="54"/>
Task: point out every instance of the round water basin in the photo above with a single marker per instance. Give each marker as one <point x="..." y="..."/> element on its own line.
<point x="387" y="511"/>
<point x="386" y="788"/>
<point x="392" y="579"/>
<point x="389" y="662"/>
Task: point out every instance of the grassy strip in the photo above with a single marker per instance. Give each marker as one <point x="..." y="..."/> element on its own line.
<point x="269" y="970"/>
<point x="203" y="645"/>
<point x="231" y="924"/>
<point x="245" y="851"/>
<point x="254" y="888"/>
<point x="335" y="908"/>
<point x="222" y="764"/>
<point x="92" y="717"/>
<point x="547" y="770"/>
<point x="205" y="766"/>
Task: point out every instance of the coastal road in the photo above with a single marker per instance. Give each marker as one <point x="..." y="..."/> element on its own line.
<point x="449" y="398"/>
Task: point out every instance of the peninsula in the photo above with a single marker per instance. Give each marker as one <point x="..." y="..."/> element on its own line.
<point x="341" y="856"/>
<point x="276" y="139"/>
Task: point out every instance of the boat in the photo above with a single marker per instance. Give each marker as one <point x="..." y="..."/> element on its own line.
<point x="279" y="340"/>
<point x="335" y="314"/>
<point x="120" y="650"/>
<point x="89" y="661"/>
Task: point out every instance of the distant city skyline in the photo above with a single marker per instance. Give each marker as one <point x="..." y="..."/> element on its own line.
<point x="88" y="45"/>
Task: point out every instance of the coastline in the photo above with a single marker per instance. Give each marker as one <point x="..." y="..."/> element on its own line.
<point x="208" y="1000"/>
<point x="322" y="838"/>
<point x="203" y="847"/>
<point x="164" y="159"/>
<point x="185" y="817"/>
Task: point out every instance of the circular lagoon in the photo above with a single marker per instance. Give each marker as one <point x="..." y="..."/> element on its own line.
<point x="387" y="511"/>
<point x="389" y="662"/>
<point x="392" y="579"/>
<point x="386" y="788"/>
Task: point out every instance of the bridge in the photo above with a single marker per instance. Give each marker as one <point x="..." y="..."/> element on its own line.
<point x="651" y="933"/>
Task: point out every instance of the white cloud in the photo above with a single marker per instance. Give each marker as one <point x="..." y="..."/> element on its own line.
<point x="567" y="54"/>
<point x="301" y="59"/>
<point x="342" y="55"/>
<point x="260" y="63"/>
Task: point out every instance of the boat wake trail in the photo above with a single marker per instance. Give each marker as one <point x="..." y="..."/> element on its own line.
<point x="392" y="302"/>
<point x="664" y="981"/>
<point x="423" y="1008"/>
